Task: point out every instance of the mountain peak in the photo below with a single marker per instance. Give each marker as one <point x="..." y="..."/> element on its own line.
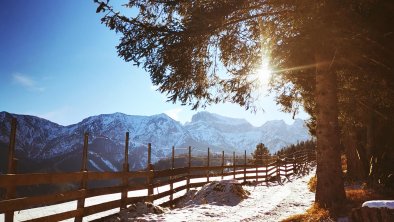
<point x="215" y="118"/>
<point x="280" y="122"/>
<point x="162" y="115"/>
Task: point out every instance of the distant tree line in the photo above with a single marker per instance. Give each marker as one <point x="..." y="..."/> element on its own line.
<point x="299" y="146"/>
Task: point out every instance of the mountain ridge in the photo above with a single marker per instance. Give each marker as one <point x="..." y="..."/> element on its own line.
<point x="39" y="139"/>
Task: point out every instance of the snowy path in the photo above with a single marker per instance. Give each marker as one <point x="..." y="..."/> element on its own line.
<point x="272" y="203"/>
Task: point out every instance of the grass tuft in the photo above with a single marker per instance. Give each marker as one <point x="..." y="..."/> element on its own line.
<point x="357" y="196"/>
<point x="314" y="213"/>
<point x="312" y="184"/>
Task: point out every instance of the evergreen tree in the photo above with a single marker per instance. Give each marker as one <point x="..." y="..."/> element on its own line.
<point x="309" y="145"/>
<point x="204" y="52"/>
<point x="260" y="154"/>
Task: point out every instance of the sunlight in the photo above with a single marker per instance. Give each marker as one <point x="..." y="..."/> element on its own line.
<point x="263" y="75"/>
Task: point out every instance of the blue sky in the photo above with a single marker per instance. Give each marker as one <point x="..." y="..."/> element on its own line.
<point x="57" y="61"/>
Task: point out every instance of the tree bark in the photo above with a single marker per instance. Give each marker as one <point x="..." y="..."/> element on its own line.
<point x="330" y="191"/>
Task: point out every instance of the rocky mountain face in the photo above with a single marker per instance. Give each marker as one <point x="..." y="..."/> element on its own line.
<point x="46" y="146"/>
<point x="238" y="134"/>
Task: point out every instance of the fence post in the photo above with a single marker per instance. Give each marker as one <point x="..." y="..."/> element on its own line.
<point x="125" y="180"/>
<point x="285" y="166"/>
<point x="208" y="166"/>
<point x="222" y="163"/>
<point x="12" y="162"/>
<point x="150" y="174"/>
<point x="303" y="163"/>
<point x="172" y="167"/>
<point x="294" y="165"/>
<point x="257" y="173"/>
<point x="307" y="156"/>
<point x="189" y="166"/>
<point x="11" y="146"/>
<point x="245" y="168"/>
<point x="266" y="173"/>
<point x="84" y="170"/>
<point x="278" y="169"/>
<point x="234" y="164"/>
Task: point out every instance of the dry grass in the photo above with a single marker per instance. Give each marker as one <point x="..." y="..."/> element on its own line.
<point x="356" y="195"/>
<point x="312" y="184"/>
<point x="314" y="213"/>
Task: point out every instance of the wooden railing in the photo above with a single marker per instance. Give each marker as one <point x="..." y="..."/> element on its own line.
<point x="154" y="179"/>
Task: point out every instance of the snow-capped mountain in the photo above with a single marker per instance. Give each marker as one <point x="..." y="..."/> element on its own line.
<point x="238" y="134"/>
<point x="49" y="146"/>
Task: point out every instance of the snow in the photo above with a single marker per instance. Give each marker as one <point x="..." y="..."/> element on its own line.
<point x="95" y="165"/>
<point x="379" y="204"/>
<point x="109" y="164"/>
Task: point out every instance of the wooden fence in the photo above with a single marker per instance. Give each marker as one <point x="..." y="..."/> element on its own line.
<point x="273" y="170"/>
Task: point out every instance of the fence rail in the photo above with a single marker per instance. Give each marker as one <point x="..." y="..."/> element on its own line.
<point x="154" y="179"/>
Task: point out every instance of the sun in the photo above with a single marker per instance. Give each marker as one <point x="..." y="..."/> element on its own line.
<point x="263" y="73"/>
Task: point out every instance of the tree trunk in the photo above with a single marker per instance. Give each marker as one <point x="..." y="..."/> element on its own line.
<point x="354" y="156"/>
<point x="330" y="191"/>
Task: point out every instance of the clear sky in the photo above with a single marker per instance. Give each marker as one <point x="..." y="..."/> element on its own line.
<point x="57" y="61"/>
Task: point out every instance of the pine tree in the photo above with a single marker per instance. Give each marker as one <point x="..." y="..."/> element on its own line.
<point x="260" y="154"/>
<point x="204" y="52"/>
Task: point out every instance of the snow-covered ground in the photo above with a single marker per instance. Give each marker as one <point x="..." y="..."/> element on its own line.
<point x="272" y="203"/>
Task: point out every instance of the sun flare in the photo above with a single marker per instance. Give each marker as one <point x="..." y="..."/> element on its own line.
<point x="264" y="73"/>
